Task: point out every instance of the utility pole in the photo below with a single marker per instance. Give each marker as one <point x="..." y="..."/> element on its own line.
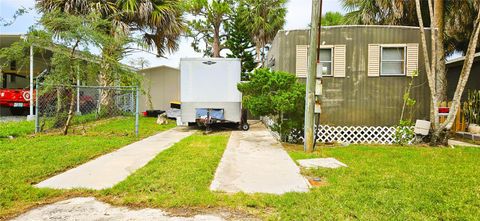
<point x="311" y="76"/>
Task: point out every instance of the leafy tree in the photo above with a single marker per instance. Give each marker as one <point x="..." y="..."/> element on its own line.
<point x="161" y="23"/>
<point x="65" y="36"/>
<point x="381" y="12"/>
<point x="332" y="19"/>
<point x="239" y="42"/>
<point x="435" y="64"/>
<point x="275" y="93"/>
<point x="263" y="19"/>
<point x="208" y="25"/>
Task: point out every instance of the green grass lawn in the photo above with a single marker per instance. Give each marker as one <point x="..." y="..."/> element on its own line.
<point x="24" y="127"/>
<point x="16" y="129"/>
<point x="27" y="160"/>
<point x="381" y="183"/>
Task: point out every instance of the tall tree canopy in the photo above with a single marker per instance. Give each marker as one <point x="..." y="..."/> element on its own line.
<point x="459" y="17"/>
<point x="239" y="42"/>
<point x="332" y="19"/>
<point x="263" y="19"/>
<point x="161" y="22"/>
<point x="208" y="24"/>
<point x="380" y="12"/>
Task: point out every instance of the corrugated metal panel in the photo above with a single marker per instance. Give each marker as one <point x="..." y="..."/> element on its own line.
<point x="373" y="60"/>
<point x="339" y="52"/>
<point x="412" y="59"/>
<point x="301" y="61"/>
<point x="357" y="99"/>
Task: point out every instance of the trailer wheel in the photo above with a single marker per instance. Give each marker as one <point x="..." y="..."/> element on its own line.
<point x="245" y="126"/>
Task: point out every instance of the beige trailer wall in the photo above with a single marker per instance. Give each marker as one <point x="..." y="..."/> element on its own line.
<point x="163" y="85"/>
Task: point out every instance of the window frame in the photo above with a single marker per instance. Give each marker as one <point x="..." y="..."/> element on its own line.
<point x="331" y="48"/>
<point x="404" y="60"/>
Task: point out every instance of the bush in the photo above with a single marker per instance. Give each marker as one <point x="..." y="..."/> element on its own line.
<point x="404" y="133"/>
<point x="278" y="94"/>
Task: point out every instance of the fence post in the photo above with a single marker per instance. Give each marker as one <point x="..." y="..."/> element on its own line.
<point x="78" y="97"/>
<point x="37" y="91"/>
<point x="136" y="109"/>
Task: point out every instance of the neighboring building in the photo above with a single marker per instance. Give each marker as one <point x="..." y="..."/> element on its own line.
<point x="366" y="70"/>
<point x="454" y="68"/>
<point x="162" y="83"/>
<point x="16" y="75"/>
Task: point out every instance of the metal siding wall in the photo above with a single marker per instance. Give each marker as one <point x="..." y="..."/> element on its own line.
<point x="358" y="99"/>
<point x="473" y="83"/>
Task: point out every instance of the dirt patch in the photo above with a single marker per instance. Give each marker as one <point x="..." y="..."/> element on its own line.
<point x="316" y="182"/>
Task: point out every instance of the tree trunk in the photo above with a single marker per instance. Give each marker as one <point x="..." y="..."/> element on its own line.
<point x="216" y="41"/>
<point x="441" y="74"/>
<point x="70" y="112"/>
<point x="106" y="95"/>
<point x="61" y="107"/>
<point x="430" y="74"/>
<point x="257" y="50"/>
<point x="106" y="79"/>
<point x="464" y="75"/>
<point x="71" y="92"/>
<point x="436" y="85"/>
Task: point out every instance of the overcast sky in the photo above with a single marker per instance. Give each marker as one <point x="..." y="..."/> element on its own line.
<point x="298" y="17"/>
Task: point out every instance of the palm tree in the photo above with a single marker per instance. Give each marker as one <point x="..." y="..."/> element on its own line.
<point x="161" y="22"/>
<point x="380" y="12"/>
<point x="263" y="19"/>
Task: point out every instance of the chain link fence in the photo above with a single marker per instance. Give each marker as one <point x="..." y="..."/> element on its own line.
<point x="57" y="105"/>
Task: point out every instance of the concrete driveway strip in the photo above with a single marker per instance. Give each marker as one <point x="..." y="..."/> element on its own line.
<point x="254" y="162"/>
<point x="110" y="169"/>
<point x="88" y="208"/>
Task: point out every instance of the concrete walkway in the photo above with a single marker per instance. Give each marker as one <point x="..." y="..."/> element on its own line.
<point x="110" y="169"/>
<point x="452" y="142"/>
<point x="87" y="208"/>
<point x="254" y="162"/>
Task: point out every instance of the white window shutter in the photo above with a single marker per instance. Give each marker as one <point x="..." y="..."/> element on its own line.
<point x="412" y="59"/>
<point x="301" y="61"/>
<point x="373" y="60"/>
<point x="339" y="60"/>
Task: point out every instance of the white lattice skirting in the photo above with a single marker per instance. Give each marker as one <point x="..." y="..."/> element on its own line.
<point x="357" y="134"/>
<point x="345" y="134"/>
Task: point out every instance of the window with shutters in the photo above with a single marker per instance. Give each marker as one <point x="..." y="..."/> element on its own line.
<point x="324" y="67"/>
<point x="392" y="61"/>
<point x="332" y="61"/>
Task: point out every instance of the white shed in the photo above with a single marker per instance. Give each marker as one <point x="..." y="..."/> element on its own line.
<point x="161" y="85"/>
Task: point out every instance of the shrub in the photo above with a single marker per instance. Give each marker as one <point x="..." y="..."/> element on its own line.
<point x="404" y="133"/>
<point x="278" y="94"/>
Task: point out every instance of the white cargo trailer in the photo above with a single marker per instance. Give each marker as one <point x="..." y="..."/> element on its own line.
<point x="208" y="91"/>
